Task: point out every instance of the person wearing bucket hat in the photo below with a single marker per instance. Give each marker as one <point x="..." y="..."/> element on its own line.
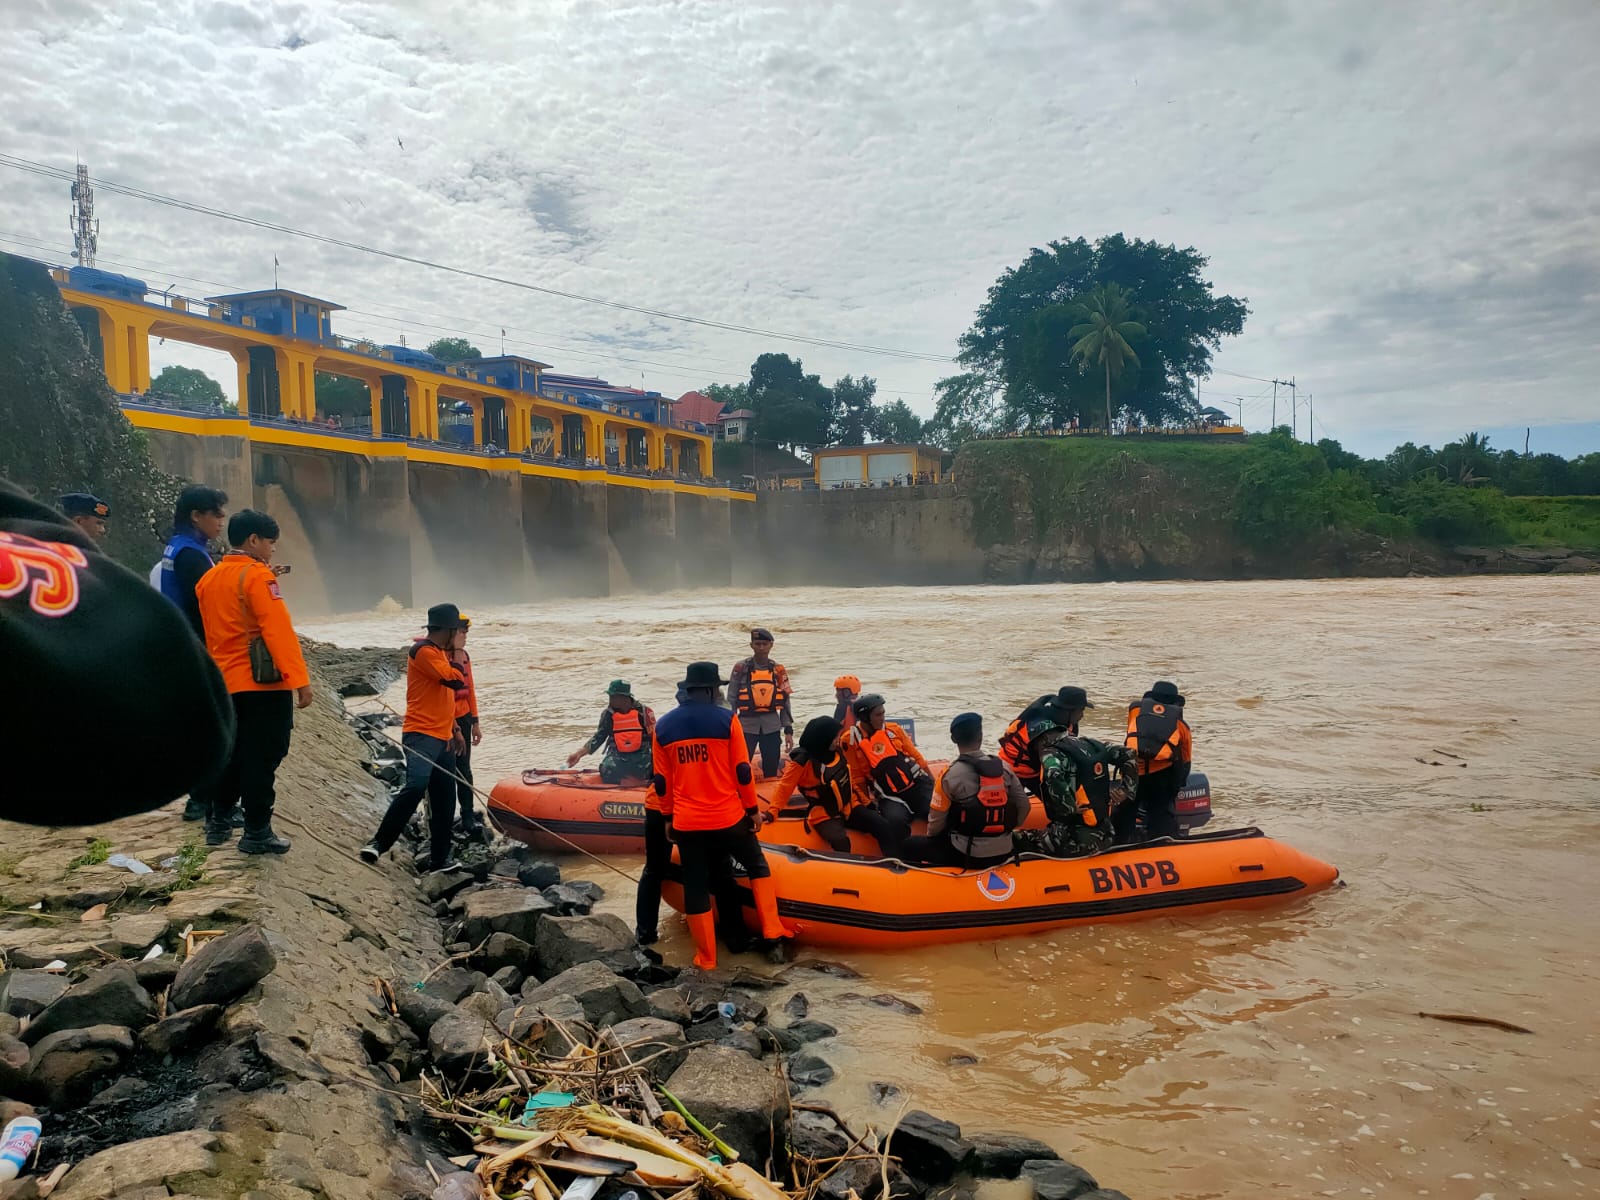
<point x="1161" y="740"/>
<point x="627" y="731"/>
<point x="88" y="512"/>
<point x="430" y="739"/>
<point x="706" y="791"/>
<point x="978" y="804"/>
<point x="1062" y="709"/>
<point x="759" y="689"/>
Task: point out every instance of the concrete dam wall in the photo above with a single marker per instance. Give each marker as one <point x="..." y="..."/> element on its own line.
<point x="358" y="529"/>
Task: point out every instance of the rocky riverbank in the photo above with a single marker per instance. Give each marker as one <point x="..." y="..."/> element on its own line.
<point x="305" y="1026"/>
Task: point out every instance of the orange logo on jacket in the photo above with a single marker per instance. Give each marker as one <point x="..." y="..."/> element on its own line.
<point x="47" y="570"/>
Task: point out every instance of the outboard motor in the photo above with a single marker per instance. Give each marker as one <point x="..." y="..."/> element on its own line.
<point x="1194" y="803"/>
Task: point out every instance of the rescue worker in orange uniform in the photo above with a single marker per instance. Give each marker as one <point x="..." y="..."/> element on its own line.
<point x="250" y="637"/>
<point x="629" y="728"/>
<point x="1063" y="710"/>
<point x="471" y="730"/>
<point x="760" y="691"/>
<point x="885" y="763"/>
<point x="431" y="742"/>
<point x="845" y="690"/>
<point x="978" y="804"/>
<point x="820" y="772"/>
<point x="1160" y="739"/>
<point x="707" y="794"/>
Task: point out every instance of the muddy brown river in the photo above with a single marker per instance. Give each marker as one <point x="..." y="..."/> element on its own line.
<point x="1435" y="739"/>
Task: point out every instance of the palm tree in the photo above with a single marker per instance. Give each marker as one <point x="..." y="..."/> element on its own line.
<point x="1102" y="335"/>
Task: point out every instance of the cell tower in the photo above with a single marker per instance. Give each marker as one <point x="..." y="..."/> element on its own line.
<point x="85" y="228"/>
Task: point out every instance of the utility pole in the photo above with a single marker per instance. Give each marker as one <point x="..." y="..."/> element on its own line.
<point x="1274" y="424"/>
<point x="1294" y="411"/>
<point x="1311" y="420"/>
<point x="1527" y="436"/>
<point x="1239" y="400"/>
<point x="85" y="226"/>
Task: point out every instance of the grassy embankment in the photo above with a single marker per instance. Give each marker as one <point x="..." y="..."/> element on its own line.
<point x="1269" y="494"/>
<point x="733" y="460"/>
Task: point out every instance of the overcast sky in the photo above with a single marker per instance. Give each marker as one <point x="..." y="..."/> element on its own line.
<point x="1404" y="193"/>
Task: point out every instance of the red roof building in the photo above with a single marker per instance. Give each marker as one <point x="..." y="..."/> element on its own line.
<point x="697" y="407"/>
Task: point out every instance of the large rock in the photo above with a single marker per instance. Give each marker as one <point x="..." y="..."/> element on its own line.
<point x="28" y="993"/>
<point x="643" y="1037"/>
<point x="742" y="1101"/>
<point x="928" y="1148"/>
<point x="1054" y="1179"/>
<point x="555" y="1025"/>
<point x="564" y="942"/>
<point x="15" y="1060"/>
<point x="456" y="1042"/>
<point x="111" y="996"/>
<point x="133" y="933"/>
<point x="418" y="1009"/>
<point x="151" y="1167"/>
<point x="453" y="984"/>
<point x="1104" y="1194"/>
<point x="809" y="1070"/>
<point x="181" y="1030"/>
<point x="223" y="969"/>
<point x="1001" y="1155"/>
<point x="66" y="1064"/>
<point x="441" y="885"/>
<point x="502" y="910"/>
<point x="505" y="950"/>
<point x="538" y="874"/>
<point x="605" y="996"/>
<point x="669" y="1004"/>
<point x="802" y="1033"/>
<point x="156" y="975"/>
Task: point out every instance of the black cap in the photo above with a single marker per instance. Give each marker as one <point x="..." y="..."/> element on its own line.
<point x="966" y="727"/>
<point x="84" y="504"/>
<point x="444" y="616"/>
<point x="1165" y="692"/>
<point x="759" y="634"/>
<point x="1073" y="697"/>
<point x="702" y="675"/>
<point x="818" y="735"/>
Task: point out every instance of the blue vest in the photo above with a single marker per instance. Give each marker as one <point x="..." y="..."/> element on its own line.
<point x="167" y="572"/>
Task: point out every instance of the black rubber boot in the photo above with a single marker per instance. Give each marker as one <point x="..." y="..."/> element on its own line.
<point x="194" y="810"/>
<point x="263" y="841"/>
<point x="218" y="834"/>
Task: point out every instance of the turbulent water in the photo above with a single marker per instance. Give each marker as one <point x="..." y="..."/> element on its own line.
<point x="1436" y="740"/>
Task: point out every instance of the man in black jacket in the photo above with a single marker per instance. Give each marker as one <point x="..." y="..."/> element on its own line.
<point x="82" y="637"/>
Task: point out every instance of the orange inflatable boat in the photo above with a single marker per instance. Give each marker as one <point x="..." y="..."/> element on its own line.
<point x="845" y="900"/>
<point x="572" y="810"/>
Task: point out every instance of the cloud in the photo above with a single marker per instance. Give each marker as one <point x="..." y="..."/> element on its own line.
<point x="1408" y="213"/>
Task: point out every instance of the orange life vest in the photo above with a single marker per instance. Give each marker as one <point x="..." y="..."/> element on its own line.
<point x="1016" y="749"/>
<point x="1154" y="733"/>
<point x="760" y="693"/>
<point x="891" y="770"/>
<point x="988" y="813"/>
<point x="627" y="731"/>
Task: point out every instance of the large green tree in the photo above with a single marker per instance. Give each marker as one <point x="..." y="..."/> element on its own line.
<point x="897" y="423"/>
<point x="1104" y="335"/>
<point x="453" y="349"/>
<point x="791" y="408"/>
<point x="341" y="396"/>
<point x="189" y="388"/>
<point x="1020" y="349"/>
<point x="854" y="410"/>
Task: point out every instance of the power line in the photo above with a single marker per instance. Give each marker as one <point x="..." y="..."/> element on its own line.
<point x="400" y="317"/>
<point x="36" y="168"/>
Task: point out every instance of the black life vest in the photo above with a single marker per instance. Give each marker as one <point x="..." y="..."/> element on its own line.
<point x="627" y="731"/>
<point x="891" y="770"/>
<point x="1153" y="731"/>
<point x="988" y="812"/>
<point x="760" y="693"/>
<point x="1094" y="774"/>
<point x="832" y="790"/>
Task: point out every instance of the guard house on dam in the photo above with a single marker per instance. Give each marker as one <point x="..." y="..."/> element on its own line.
<point x="495" y="407"/>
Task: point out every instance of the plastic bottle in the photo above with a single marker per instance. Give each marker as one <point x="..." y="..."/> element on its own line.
<point x="16" y="1145"/>
<point x="726" y="1010"/>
